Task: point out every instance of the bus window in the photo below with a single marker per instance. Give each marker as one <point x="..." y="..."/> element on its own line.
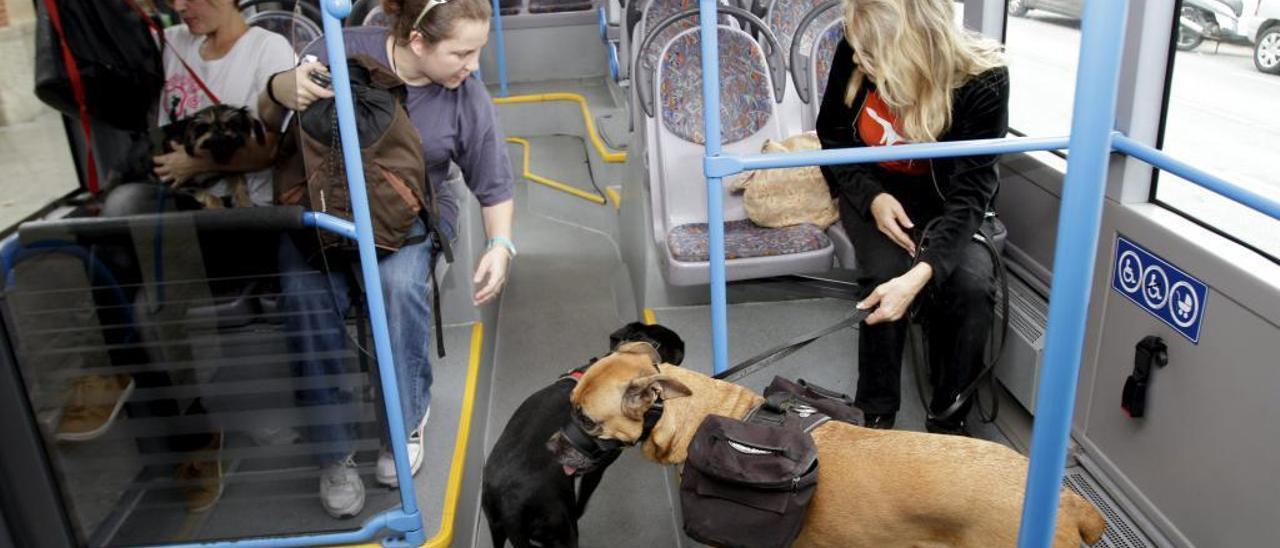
<point x="34" y="153"/>
<point x="1043" y="48"/>
<point x="1222" y="117"/>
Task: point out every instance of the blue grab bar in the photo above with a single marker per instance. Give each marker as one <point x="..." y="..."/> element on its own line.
<point x="1266" y="205"/>
<point x="725" y="165"/>
<point x="1079" y="222"/>
<point x="715" y="195"/>
<point x="501" y="54"/>
<point x="409" y="520"/>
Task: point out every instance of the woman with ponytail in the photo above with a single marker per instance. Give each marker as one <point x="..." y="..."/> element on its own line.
<point x="434" y="47"/>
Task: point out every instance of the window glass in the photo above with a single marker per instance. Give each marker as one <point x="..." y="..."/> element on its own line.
<point x="34" y="154"/>
<point x="1042" y="45"/>
<point x="1223" y="118"/>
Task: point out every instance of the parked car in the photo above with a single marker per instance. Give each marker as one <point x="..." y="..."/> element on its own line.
<point x="1069" y="8"/>
<point x="1262" y="26"/>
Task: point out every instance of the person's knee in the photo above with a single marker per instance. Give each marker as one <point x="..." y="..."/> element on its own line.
<point x="969" y="287"/>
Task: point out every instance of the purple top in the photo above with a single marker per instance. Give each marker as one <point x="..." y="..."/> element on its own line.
<point x="455" y="124"/>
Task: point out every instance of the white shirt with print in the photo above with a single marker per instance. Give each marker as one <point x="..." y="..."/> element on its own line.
<point x="236" y="79"/>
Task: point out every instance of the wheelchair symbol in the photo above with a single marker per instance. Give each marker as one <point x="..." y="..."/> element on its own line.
<point x="1184" y="304"/>
<point x="1130" y="269"/>
<point x="1155" y="290"/>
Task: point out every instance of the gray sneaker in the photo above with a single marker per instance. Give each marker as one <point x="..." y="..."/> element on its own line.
<point x="341" y="489"/>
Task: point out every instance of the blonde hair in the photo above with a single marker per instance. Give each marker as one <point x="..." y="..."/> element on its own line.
<point x="914" y="54"/>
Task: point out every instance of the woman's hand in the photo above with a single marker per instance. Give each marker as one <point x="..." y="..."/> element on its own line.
<point x="296" y="91"/>
<point x="492" y="270"/>
<point x="893" y="298"/>
<point x="891" y="219"/>
<point x="177" y="167"/>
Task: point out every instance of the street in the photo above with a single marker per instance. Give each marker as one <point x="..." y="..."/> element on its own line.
<point x="1223" y="117"/>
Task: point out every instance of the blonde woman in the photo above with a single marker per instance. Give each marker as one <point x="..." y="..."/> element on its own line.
<point x="906" y="74"/>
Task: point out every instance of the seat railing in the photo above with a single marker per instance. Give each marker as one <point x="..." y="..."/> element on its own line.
<point x="1091" y="142"/>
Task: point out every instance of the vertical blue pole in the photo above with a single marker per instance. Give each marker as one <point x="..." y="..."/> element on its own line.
<point x="501" y="54"/>
<point x="1079" y="220"/>
<point x="707" y="16"/>
<point x="334" y="11"/>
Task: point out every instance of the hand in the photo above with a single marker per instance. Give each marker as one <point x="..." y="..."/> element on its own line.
<point x="177" y="167"/>
<point x="492" y="270"/>
<point x="891" y="219"/>
<point x="893" y="298"/>
<point x="301" y="92"/>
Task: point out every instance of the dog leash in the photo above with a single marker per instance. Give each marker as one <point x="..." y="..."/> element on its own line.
<point x="754" y="363"/>
<point x="159" y="32"/>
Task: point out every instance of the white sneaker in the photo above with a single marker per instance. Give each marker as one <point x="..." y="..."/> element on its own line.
<point x="386" y="472"/>
<point x="341" y="489"/>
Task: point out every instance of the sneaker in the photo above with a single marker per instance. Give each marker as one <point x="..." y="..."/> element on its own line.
<point x="386" y="472"/>
<point x="341" y="489"/>
<point x="95" y="402"/>
<point x="879" y="421"/>
<point x="203" y="478"/>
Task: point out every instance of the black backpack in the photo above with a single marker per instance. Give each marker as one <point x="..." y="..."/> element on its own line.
<point x="747" y="485"/>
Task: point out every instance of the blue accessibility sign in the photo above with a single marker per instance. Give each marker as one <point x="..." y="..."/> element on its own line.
<point x="1160" y="288"/>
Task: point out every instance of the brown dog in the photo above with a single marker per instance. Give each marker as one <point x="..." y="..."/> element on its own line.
<point x="876" y="488"/>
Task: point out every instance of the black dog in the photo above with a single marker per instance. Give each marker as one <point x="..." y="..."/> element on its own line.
<point x="218" y="131"/>
<point x="526" y="495"/>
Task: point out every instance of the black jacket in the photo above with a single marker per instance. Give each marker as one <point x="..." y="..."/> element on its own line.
<point x="960" y="190"/>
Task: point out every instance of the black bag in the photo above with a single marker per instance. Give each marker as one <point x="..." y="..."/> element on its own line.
<point x="747" y="485"/>
<point x="117" y="63"/>
<point x="828" y="402"/>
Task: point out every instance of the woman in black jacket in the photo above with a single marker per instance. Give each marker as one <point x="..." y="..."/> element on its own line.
<point x="906" y="74"/>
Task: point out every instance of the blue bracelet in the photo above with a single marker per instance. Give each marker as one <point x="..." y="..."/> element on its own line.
<point x="504" y="241"/>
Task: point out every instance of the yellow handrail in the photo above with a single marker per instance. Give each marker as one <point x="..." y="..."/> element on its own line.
<point x="562" y="187"/>
<point x="613" y="157"/>
<point x="453" y="489"/>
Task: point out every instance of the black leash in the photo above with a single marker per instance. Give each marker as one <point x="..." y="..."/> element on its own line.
<point x="755" y="363"/>
<point x="997" y="347"/>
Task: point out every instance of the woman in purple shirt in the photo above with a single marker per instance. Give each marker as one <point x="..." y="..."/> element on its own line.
<point x="434" y="46"/>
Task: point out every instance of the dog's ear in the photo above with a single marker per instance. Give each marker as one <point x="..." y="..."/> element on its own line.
<point x="643" y="391"/>
<point x="642" y="348"/>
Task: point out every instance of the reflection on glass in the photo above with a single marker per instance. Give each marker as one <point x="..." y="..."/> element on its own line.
<point x="1223" y="118"/>
<point x="34" y="154"/>
<point x="1043" y="48"/>
<point x="166" y="387"/>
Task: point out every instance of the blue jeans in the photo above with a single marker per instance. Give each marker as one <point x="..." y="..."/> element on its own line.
<point x="315" y="306"/>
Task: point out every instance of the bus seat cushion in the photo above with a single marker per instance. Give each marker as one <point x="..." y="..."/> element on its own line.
<point x="784" y="18"/>
<point x="745" y="102"/>
<point x="822" y="56"/>
<point x="744" y="239"/>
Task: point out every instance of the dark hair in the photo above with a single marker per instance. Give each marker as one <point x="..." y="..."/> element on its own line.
<point x="439" y="23"/>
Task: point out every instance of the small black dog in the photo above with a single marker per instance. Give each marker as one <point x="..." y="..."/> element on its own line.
<point x="526" y="495"/>
<point x="218" y="131"/>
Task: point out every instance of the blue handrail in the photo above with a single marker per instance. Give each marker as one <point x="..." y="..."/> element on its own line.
<point x="1265" y="205"/>
<point x="715" y="194"/>
<point x="1079" y="222"/>
<point x="501" y="54"/>
<point x="409" y="520"/>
